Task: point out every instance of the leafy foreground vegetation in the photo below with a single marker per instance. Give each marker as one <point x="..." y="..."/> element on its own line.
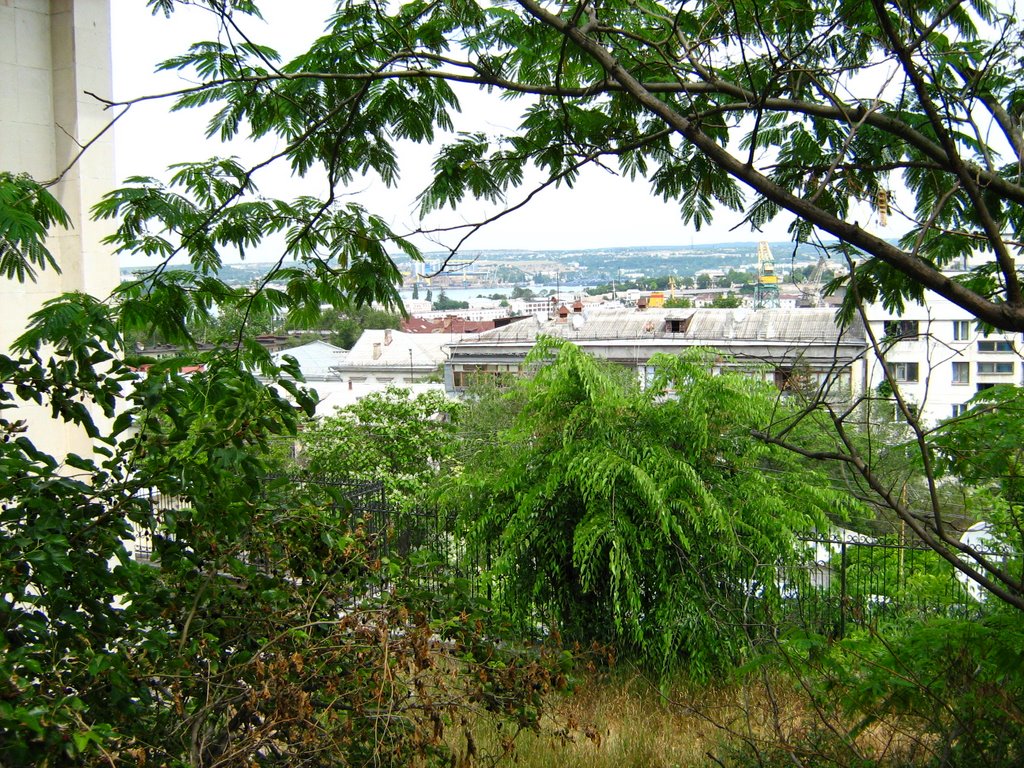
<point x="629" y="515"/>
<point x="544" y="464"/>
<point x="272" y="630"/>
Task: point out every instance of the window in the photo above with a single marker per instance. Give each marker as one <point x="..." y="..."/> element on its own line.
<point x="784" y="379"/>
<point x="961" y="330"/>
<point x="961" y="373"/>
<point x="904" y="371"/>
<point x="489" y="373"/>
<point x="992" y="345"/>
<point x="995" y="368"/>
<point x="959" y="409"/>
<point x="900" y="329"/>
<point x="677" y="325"/>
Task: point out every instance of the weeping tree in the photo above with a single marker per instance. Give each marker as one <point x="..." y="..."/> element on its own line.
<point x="646" y="517"/>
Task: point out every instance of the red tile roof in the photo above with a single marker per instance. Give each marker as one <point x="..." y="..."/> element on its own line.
<point x="450" y="324"/>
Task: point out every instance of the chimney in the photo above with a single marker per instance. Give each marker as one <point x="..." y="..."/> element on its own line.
<point x="387" y="336"/>
<point x="377" y="350"/>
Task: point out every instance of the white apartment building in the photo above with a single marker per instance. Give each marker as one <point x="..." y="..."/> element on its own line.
<point x="938" y="357"/>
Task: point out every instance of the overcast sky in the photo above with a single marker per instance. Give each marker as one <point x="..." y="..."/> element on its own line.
<point x="602" y="210"/>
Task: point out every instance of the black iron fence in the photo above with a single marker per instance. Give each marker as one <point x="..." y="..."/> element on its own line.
<point x="837" y="584"/>
<point x="363" y="502"/>
<point x="859" y="580"/>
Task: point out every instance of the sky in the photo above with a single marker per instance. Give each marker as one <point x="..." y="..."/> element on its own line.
<point x="602" y="210"/>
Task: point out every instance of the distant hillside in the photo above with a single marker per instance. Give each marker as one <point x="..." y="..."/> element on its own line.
<point x="589" y="265"/>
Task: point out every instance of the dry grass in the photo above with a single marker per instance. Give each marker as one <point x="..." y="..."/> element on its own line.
<point x="623" y="721"/>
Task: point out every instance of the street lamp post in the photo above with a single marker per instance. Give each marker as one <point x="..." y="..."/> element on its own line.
<point x="412" y="376"/>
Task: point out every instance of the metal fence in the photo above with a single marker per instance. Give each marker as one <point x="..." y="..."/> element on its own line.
<point x="363" y="502"/>
<point x="859" y="580"/>
<point x="839" y="583"/>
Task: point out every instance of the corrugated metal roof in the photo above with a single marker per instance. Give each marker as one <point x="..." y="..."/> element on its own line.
<point x="816" y="325"/>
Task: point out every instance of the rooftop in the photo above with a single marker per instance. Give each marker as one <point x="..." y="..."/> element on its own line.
<point x="694" y="325"/>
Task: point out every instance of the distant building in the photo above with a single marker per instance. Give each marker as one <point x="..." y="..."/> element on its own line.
<point x="315" y="359"/>
<point x="323" y="366"/>
<point x="785" y="345"/>
<point x="938" y="358"/>
<point x="477" y="314"/>
<point x="448" y="324"/>
<point x="382" y="357"/>
<point x="417" y="306"/>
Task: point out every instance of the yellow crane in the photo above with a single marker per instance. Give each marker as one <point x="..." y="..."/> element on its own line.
<point x="766" y="292"/>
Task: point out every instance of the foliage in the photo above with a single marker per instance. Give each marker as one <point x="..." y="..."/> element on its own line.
<point x="393" y="437"/>
<point x="27" y="211"/>
<point x="235" y="320"/>
<point x="888" y="579"/>
<point x="762" y="110"/>
<point x="639" y="516"/>
<point x="508" y="274"/>
<point x="726" y="301"/>
<point x="207" y="210"/>
<point x="443" y="302"/>
<point x="930" y="482"/>
<point x="979" y="448"/>
<point x="954" y="685"/>
<point x="347" y="326"/>
<point x="268" y="627"/>
<point x="699" y="100"/>
<point x="678" y="302"/>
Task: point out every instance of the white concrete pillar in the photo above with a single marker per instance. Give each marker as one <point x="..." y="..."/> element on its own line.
<point x="53" y="54"/>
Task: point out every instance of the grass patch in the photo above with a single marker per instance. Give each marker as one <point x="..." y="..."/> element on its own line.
<point x="622" y="720"/>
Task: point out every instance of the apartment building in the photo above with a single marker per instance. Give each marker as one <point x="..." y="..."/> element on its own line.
<point x="938" y="356"/>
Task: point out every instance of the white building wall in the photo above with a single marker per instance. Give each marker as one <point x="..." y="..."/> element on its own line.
<point x="945" y="364"/>
<point x="51" y="53"/>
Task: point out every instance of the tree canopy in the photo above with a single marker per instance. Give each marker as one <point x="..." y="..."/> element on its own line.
<point x="836" y="114"/>
<point x="643" y="516"/>
<point x="392" y="437"/>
